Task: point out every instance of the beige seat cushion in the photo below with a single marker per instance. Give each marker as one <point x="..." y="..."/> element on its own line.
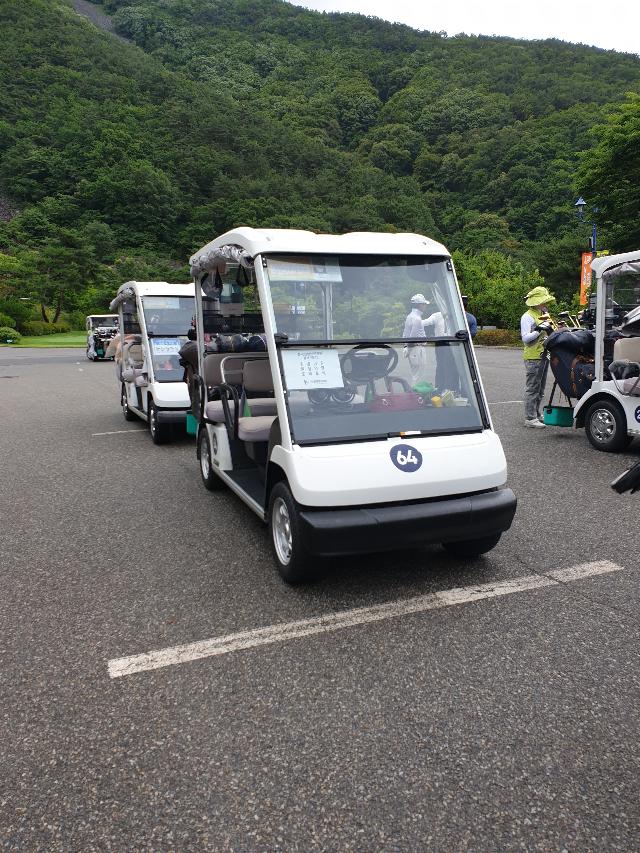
<point x="626" y="348"/>
<point x="214" y="411"/>
<point x="255" y="429"/>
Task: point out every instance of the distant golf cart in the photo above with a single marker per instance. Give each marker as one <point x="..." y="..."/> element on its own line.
<point x="155" y="319"/>
<point x="313" y="414"/>
<point x="101" y="329"/>
<point x="600" y="368"/>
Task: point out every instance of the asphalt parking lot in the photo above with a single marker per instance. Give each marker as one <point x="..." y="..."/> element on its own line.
<point x="503" y="718"/>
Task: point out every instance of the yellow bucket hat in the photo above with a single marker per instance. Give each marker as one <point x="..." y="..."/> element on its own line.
<point x="538" y="296"/>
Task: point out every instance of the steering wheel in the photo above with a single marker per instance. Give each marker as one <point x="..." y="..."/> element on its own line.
<point x="360" y="364"/>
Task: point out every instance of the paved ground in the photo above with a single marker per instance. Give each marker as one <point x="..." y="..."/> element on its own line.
<point x="507" y="723"/>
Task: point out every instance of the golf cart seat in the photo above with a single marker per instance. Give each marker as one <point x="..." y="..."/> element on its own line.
<point x="256" y="379"/>
<point x="626" y="349"/>
<point x="252" y="373"/>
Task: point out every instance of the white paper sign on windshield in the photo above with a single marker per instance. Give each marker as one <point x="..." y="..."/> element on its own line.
<point x="306" y="369"/>
<point x="166" y="346"/>
<point x="304" y="269"/>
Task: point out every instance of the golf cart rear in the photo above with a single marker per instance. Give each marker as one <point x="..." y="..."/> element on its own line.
<point x="344" y="435"/>
<point x="101" y="330"/>
<point x="155" y="321"/>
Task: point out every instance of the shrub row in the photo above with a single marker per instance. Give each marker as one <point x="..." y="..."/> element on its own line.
<point x="37" y="328"/>
<point x="498" y="338"/>
<point x="8" y="335"/>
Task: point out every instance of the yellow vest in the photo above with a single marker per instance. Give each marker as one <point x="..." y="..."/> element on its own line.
<point x="534" y="351"/>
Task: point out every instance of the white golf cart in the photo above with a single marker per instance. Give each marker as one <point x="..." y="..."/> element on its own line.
<point x="610" y="410"/>
<point x="155" y="319"/>
<point x="101" y="329"/>
<point x="330" y="435"/>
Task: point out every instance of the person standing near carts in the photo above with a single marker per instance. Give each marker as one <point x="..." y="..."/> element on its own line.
<point x="414" y="328"/>
<point x="535" y="326"/>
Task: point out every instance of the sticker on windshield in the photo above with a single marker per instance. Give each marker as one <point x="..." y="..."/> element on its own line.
<point x="306" y="369"/>
<point x="304" y="269"/>
<point x="166" y="346"/>
<point x="406" y="458"/>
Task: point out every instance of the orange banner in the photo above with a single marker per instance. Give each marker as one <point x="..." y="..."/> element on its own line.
<point x="585" y="277"/>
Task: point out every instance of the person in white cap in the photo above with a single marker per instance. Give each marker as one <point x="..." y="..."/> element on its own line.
<point x="414" y="328"/>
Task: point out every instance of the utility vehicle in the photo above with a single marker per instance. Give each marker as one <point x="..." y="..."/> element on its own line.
<point x="101" y="329"/>
<point x="599" y="368"/>
<point x="155" y="319"/>
<point x="328" y="434"/>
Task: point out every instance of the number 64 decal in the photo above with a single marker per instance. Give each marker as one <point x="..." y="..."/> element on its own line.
<point x="405" y="457"/>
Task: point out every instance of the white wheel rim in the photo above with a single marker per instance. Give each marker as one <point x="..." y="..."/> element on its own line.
<point x="123" y="400"/>
<point x="152" y="421"/>
<point x="205" y="460"/>
<point x="603" y="425"/>
<point x="281" y="530"/>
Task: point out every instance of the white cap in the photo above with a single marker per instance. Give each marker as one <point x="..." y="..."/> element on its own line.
<point x="419" y="299"/>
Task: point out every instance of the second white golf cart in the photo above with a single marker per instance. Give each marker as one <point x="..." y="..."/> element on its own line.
<point x="610" y="410"/>
<point x="155" y="319"/>
<point x="334" y="435"/>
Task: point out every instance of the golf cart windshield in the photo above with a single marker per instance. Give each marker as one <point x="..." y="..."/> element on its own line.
<point x="104" y="322"/>
<point x="168" y="320"/>
<point x="621" y="351"/>
<point x="371" y="346"/>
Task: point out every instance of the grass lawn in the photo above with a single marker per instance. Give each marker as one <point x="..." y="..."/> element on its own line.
<point x="65" y="339"/>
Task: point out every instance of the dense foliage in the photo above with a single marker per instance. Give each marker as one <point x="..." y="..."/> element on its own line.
<point x="117" y="160"/>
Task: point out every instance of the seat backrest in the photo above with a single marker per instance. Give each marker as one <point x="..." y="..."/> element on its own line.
<point x="627" y="348"/>
<point x="133" y="353"/>
<point x="256" y="376"/>
<point x="211" y="369"/>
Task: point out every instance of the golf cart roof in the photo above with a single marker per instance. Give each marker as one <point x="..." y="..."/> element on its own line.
<point x="605" y="262"/>
<point x="243" y="244"/>
<point x="150" y="288"/>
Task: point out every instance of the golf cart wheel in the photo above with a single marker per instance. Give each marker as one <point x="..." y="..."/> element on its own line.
<point x="207" y="469"/>
<point x="472" y="547"/>
<point x="126" y="411"/>
<point x="293" y="560"/>
<point x="606" y="426"/>
<point x="159" y="432"/>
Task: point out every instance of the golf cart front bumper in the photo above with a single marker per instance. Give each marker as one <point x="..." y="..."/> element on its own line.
<point x="172" y="416"/>
<point x="390" y="526"/>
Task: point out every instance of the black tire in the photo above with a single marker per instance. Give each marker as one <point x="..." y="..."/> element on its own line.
<point x="207" y="470"/>
<point x="159" y="432"/>
<point x="126" y="411"/>
<point x="606" y="426"/>
<point x="294" y="562"/>
<point x="472" y="547"/>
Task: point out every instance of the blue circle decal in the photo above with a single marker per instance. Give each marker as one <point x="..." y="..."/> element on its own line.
<point x="406" y="458"/>
<point x="637" y="414"/>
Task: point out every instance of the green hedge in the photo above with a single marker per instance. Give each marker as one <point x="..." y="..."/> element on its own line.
<point x="7" y="322"/>
<point x="8" y="335"/>
<point x="37" y="328"/>
<point x="498" y="338"/>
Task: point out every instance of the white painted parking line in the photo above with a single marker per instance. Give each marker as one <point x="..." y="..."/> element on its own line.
<point x="119" y="432"/>
<point x="504" y="402"/>
<point x="157" y="659"/>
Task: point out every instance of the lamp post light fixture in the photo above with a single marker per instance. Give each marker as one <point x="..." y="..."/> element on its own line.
<point x="580" y="207"/>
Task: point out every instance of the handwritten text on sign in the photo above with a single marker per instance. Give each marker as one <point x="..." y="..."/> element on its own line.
<point x="307" y="369"/>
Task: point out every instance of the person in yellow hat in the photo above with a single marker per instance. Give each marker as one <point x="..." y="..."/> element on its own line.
<point x="535" y="325"/>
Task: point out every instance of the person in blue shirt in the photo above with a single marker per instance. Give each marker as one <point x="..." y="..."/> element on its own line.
<point x="471" y="320"/>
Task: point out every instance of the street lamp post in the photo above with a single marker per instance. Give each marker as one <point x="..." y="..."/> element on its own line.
<point x="580" y="207"/>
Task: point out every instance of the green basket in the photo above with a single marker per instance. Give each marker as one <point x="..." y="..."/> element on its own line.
<point x="192" y="424"/>
<point x="561" y="416"/>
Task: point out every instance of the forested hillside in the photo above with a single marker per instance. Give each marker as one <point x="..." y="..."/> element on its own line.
<point x="120" y="159"/>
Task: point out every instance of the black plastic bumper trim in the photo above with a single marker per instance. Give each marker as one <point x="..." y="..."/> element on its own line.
<point x="388" y="527"/>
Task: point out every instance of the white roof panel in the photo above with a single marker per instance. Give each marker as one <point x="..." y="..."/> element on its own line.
<point x="257" y="241"/>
